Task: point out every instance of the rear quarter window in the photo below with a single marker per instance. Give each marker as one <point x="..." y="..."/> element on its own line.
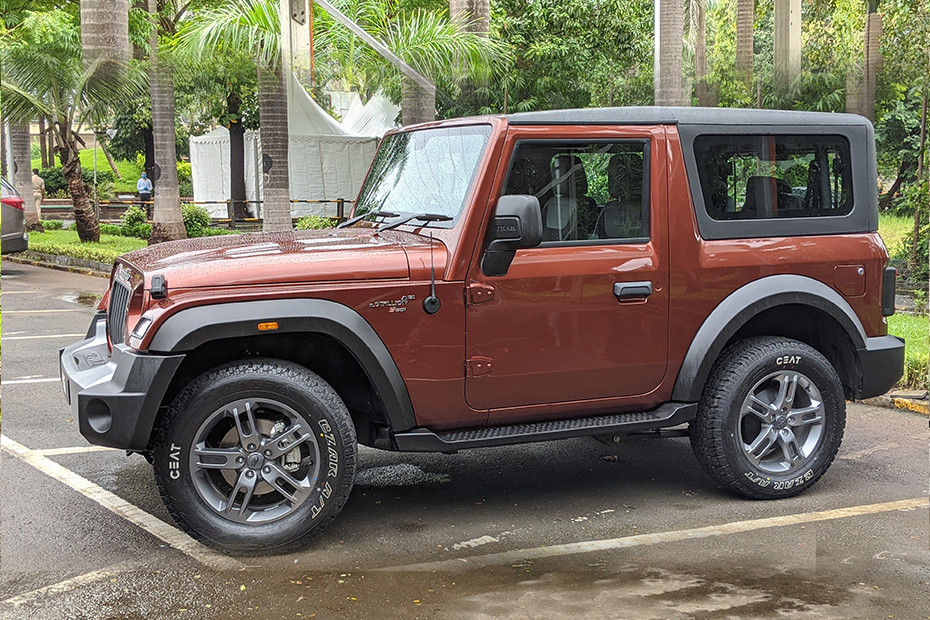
<point x="765" y="177"/>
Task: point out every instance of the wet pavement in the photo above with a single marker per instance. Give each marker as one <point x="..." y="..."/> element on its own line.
<point x="496" y="513"/>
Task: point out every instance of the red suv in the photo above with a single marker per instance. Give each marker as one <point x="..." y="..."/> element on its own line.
<point x="509" y="279"/>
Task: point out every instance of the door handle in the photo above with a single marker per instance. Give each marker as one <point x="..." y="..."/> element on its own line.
<point x="632" y="290"/>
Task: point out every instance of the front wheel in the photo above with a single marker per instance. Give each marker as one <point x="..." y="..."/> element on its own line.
<point x="255" y="455"/>
<point x="771" y="418"/>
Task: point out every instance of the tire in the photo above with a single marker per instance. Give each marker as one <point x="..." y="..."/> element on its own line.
<point x="763" y="447"/>
<point x="255" y="456"/>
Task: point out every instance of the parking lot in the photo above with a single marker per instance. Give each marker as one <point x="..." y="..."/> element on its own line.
<point x="559" y="529"/>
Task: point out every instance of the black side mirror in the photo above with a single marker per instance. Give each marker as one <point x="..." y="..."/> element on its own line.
<point x="517" y="225"/>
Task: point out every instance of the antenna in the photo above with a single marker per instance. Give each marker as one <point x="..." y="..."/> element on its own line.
<point x="431" y="304"/>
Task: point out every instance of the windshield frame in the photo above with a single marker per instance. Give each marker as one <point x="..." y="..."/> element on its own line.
<point x="469" y="193"/>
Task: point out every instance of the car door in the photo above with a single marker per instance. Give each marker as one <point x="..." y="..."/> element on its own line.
<point x="583" y="316"/>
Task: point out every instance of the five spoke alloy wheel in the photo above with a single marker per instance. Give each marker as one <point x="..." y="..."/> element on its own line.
<point x="254" y="461"/>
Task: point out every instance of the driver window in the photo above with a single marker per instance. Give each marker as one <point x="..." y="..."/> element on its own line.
<point x="586" y="191"/>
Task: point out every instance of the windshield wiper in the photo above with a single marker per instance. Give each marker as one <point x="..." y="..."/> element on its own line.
<point x="359" y="218"/>
<point x="423" y="217"/>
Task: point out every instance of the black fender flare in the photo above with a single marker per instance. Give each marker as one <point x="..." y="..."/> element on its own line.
<point x="190" y="328"/>
<point x="742" y="305"/>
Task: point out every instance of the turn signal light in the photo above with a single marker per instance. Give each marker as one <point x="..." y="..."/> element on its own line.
<point x="267" y="327"/>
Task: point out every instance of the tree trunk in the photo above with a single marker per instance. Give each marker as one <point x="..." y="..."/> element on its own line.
<point x="236" y="208"/>
<point x="105" y="36"/>
<point x="3" y="148"/>
<point x="272" y="116"/>
<point x="885" y="203"/>
<point x="787" y="46"/>
<point x="701" y="89"/>
<point x="20" y="142"/>
<point x="915" y="235"/>
<point x="745" y="23"/>
<point x="475" y="14"/>
<point x="43" y="147"/>
<point x="102" y="140"/>
<point x="149" y="138"/>
<point x="167" y="224"/>
<point x="50" y="144"/>
<point x="417" y="105"/>
<point x="85" y="218"/>
<point x="669" y="34"/>
<point x="873" y="59"/>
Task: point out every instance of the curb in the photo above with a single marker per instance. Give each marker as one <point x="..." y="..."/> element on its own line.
<point x="891" y="401"/>
<point x="63" y="263"/>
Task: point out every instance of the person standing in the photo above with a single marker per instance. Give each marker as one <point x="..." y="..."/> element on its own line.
<point x="38" y="191"/>
<point x="144" y="189"/>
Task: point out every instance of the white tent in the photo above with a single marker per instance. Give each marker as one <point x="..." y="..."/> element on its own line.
<point x="327" y="159"/>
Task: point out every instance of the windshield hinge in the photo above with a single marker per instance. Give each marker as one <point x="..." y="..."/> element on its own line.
<point x="477" y="366"/>
<point x="478" y="293"/>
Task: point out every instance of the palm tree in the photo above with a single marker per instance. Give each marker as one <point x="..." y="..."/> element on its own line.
<point x="43" y="74"/>
<point x="252" y="26"/>
<point x="699" y="20"/>
<point x="745" y="23"/>
<point x="669" y="33"/>
<point x="20" y="143"/>
<point x="436" y="46"/>
<point x="471" y="15"/>
<point x="168" y="222"/>
<point x="873" y="58"/>
<point x="105" y="36"/>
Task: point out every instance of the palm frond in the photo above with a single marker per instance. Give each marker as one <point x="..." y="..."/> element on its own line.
<point x="244" y="26"/>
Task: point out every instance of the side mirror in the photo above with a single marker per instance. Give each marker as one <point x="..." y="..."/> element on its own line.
<point x="517" y="225"/>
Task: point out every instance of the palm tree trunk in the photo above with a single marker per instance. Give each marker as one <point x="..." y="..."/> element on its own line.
<point x="85" y="218"/>
<point x="272" y="116"/>
<point x="43" y="148"/>
<point x="669" y="33"/>
<point x="168" y="224"/>
<point x="105" y="35"/>
<point x="102" y="141"/>
<point x="700" y="52"/>
<point x="745" y="21"/>
<point x="417" y="105"/>
<point x="22" y="158"/>
<point x="476" y="14"/>
<point x="873" y="59"/>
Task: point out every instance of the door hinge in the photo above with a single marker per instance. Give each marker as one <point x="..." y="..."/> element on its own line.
<point x="477" y="366"/>
<point x="478" y="293"/>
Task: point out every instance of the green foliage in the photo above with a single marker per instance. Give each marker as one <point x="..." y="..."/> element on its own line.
<point x="196" y="220"/>
<point x="52" y="224"/>
<point x="314" y="222"/>
<point x="894" y="229"/>
<point x="913" y="328"/>
<point x="55" y="180"/>
<point x="133" y="224"/>
<point x="66" y="243"/>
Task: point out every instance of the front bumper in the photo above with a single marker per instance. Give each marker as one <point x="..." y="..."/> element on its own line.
<point x="882" y="364"/>
<point x="14" y="243"/>
<point x="115" y="395"/>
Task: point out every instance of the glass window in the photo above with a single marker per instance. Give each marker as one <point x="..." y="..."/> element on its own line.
<point x="765" y="177"/>
<point x="424" y="171"/>
<point x="586" y="191"/>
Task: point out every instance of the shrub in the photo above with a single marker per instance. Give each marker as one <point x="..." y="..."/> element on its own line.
<point x="314" y="222"/>
<point x="134" y="223"/>
<point x="196" y="220"/>
<point x="52" y="224"/>
<point x="56" y="184"/>
<point x="914" y="197"/>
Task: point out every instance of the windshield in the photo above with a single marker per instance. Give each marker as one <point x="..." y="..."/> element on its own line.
<point x="424" y="171"/>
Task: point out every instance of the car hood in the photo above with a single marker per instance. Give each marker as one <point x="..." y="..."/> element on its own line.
<point x="277" y="258"/>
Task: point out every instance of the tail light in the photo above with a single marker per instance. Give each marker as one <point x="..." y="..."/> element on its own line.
<point x="888" y="288"/>
<point x="13" y="201"/>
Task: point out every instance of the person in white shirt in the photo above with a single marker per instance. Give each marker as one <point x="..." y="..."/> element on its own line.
<point x="144" y="189"/>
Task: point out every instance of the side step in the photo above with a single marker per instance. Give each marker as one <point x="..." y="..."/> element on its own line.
<point x="425" y="440"/>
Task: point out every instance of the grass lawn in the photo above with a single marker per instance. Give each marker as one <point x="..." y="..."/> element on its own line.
<point x="66" y="242"/>
<point x="914" y="328"/>
<point x="894" y="229"/>
<point x="129" y="169"/>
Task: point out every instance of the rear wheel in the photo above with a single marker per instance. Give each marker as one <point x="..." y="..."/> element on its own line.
<point x="771" y="418"/>
<point x="256" y="455"/>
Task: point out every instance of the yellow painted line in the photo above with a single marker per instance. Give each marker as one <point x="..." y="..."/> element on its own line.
<point x="35" y="596"/>
<point x="911" y="405"/>
<point x="74" y="450"/>
<point x="643" y="540"/>
<point x="117" y="505"/>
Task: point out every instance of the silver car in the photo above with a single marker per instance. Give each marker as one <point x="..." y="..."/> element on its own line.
<point x="12" y="220"/>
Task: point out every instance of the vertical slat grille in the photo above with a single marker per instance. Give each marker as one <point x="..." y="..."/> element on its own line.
<point x="119" y="308"/>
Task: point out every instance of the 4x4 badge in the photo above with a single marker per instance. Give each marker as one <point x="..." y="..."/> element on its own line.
<point x="393" y="305"/>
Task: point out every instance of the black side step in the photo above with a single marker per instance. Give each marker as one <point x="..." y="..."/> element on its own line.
<point x="425" y="440"/>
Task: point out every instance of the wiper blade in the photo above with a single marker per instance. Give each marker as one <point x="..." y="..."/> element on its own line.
<point x="423" y="217"/>
<point x="359" y="218"/>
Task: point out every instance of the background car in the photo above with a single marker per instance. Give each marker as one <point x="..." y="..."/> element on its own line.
<point x="12" y="220"/>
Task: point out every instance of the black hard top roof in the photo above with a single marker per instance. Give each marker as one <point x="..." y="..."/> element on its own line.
<point x="658" y="115"/>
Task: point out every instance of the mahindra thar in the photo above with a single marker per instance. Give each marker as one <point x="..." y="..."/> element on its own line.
<point x="509" y="279"/>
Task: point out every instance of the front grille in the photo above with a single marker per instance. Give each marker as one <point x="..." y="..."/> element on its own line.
<point x="119" y="308"/>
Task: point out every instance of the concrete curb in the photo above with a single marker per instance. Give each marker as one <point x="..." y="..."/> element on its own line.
<point x="61" y="263"/>
<point x="893" y="401"/>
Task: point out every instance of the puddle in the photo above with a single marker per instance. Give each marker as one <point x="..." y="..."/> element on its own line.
<point x="399" y="475"/>
<point x="85" y="299"/>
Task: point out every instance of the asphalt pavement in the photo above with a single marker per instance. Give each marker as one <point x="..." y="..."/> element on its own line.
<point x="559" y="529"/>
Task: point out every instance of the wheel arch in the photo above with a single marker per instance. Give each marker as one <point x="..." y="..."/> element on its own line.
<point x="792" y="306"/>
<point x="323" y="335"/>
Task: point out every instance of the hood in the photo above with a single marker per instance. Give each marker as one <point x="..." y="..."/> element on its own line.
<point x="277" y="258"/>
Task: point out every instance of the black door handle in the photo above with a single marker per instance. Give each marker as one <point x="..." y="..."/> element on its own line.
<point x="632" y="290"/>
